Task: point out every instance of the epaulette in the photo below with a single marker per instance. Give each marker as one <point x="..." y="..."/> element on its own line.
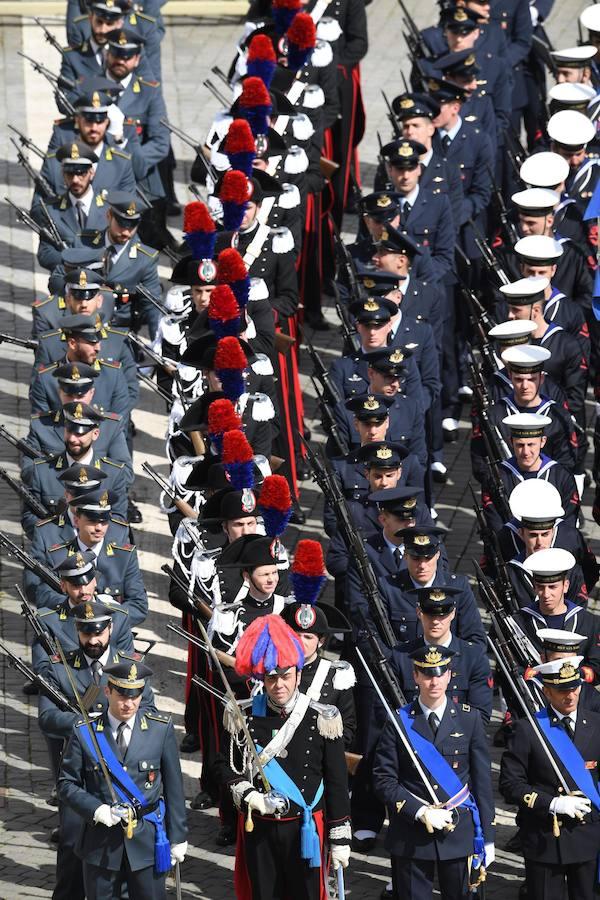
<point x="112" y="364"/>
<point x="111" y="462"/>
<point x="37" y="462"/>
<point x="43" y="369"/>
<point x="69" y="49"/>
<point x="115" y="417"/>
<point x="120" y="153"/>
<point x="134" y="657"/>
<point x="142" y="15"/>
<point x="344" y="676"/>
<point x="128" y="547"/>
<point x="118" y="607"/>
<point x="48" y="334"/>
<point x="80" y="18"/>
<point x="156" y="717"/>
<point x="465" y="707"/>
<point x="45" y="612"/>
<point x="143" y="250"/>
<point x="120" y="331"/>
<point x="118" y="521"/>
<point x="37" y="303"/>
<point x="51" y="155"/>
<point x="47" y="521"/>
<point x="153" y="84"/>
<point x="58" y="546"/>
<point x="329" y="720"/>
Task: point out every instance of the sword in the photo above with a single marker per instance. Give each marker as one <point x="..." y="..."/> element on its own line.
<point x="178" y="893"/>
<point x="341" y="887"/>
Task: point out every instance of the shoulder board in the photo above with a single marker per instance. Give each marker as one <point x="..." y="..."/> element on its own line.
<point x="45" y="612"/>
<point x="47" y="521"/>
<point x="122" y="332"/>
<point x="152" y="84"/>
<point x="118" y="520"/>
<point x="147" y="251"/>
<point x="38" y="462"/>
<point x="49" y="334"/>
<point x="43" y="369"/>
<point x="120" y="153"/>
<point x="80" y="19"/>
<point x="114" y="417"/>
<point x="145" y="16"/>
<point x="37" y="303"/>
<point x="112" y="364"/>
<point x="129" y="547"/>
<point x="69" y="49"/>
<point x="329" y="720"/>
<point x="51" y="155"/>
<point x="158" y="718"/>
<point x="58" y="547"/>
<point x="118" y="607"/>
<point x="135" y="657"/>
<point x="465" y="707"/>
<point x="110" y="462"/>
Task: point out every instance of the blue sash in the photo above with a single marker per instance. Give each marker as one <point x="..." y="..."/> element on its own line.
<point x="444" y="775"/>
<point x="310" y="846"/>
<point x="569" y="755"/>
<point x="126" y="789"/>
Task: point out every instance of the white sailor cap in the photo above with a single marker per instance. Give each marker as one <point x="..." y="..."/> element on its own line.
<point x="536" y="201"/>
<point x="525" y="291"/>
<point x="590" y="17"/>
<point x="526" y="425"/>
<point x="545" y="169"/>
<point x="538" y="250"/>
<point x="525" y="358"/>
<point x="570" y="129"/>
<point x="574" y="57"/>
<point x="536" y="504"/>
<point x="570" y="95"/>
<point x="512" y="332"/>
<point x="560" y="640"/>
<point x="549" y="565"/>
<point x="562" y="674"/>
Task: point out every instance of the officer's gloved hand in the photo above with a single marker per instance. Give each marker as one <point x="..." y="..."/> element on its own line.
<point x="574" y="807"/>
<point x="116" y="119"/>
<point x="108" y="815"/>
<point x="178" y="852"/>
<point x="340" y="855"/>
<point x="490" y="855"/>
<point x="434" y="819"/>
<point x="264" y="804"/>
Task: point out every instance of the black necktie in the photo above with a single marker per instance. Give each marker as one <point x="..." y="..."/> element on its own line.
<point x="567" y="724"/>
<point x="446" y="141"/>
<point x="404" y="214"/>
<point x="109" y="258"/>
<point x="96" y="671"/>
<point x="81" y="216"/>
<point x="398" y="556"/>
<point x="433" y="722"/>
<point x="121" y="738"/>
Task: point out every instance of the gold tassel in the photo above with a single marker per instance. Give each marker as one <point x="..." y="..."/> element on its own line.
<point x="555" y="826"/>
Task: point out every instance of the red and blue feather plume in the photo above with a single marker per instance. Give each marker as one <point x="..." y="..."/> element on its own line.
<point x="261" y="60"/>
<point x="268" y="644"/>
<point x="301" y="39"/>
<point x="231" y="270"/>
<point x="222" y="417"/>
<point x="200" y="233"/>
<point x="234" y="193"/>
<point x="254" y="105"/>
<point x="229" y="364"/>
<point x="238" y="460"/>
<point x="308" y="574"/>
<point x="283" y="12"/>
<point x="275" y="505"/>
<point x="223" y="312"/>
<point x="240" y="146"/>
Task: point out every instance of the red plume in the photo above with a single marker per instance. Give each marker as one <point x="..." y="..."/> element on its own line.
<point x="236" y="448"/>
<point x="229" y="354"/>
<point x="230" y="266"/>
<point x="239" y="138"/>
<point x="308" y="559"/>
<point x="196" y="217"/>
<point x="234" y="187"/>
<point x="254" y="93"/>
<point x="222" y="417"/>
<point x="275" y="493"/>
<point x="286" y="4"/>
<point x="261" y="47"/>
<point x="222" y="304"/>
<point x="302" y="32"/>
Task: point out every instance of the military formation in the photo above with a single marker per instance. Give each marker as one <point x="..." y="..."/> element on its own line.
<point x="338" y="689"/>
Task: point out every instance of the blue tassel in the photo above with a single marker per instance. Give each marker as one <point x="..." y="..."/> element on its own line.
<point x="232" y="381"/>
<point x="275" y="520"/>
<point x="256" y="116"/>
<point x="310" y="848"/>
<point x="233" y="214"/>
<point x="283" y="18"/>
<point x="241" y="475"/>
<point x="225" y="328"/>
<point x="262" y="68"/>
<point x="596" y="295"/>
<point x="242" y="161"/>
<point x="307" y="587"/>
<point x="202" y="244"/>
<point x="241" y="290"/>
<point x="162" y="847"/>
<point x="298" y="58"/>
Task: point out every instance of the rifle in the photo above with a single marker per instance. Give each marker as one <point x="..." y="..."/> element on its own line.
<point x="41" y="184"/>
<point x="491" y="261"/>
<point x="330" y="391"/>
<point x="55" y="81"/>
<point x="22" y="446"/>
<point x="226" y="659"/>
<point x="225" y="103"/>
<point x="509" y="230"/>
<point x="197" y="147"/>
<point x="504" y="623"/>
<point x="380" y="660"/>
<point x="38" y="568"/>
<point x="49" y="36"/>
<point x="481" y="324"/>
<point x="27" y="142"/>
<point x="169" y="367"/>
<point x="144" y="292"/>
<point x="330" y="426"/>
<point x="353" y="540"/>
<point x="49" y="690"/>
<point x="41" y="634"/>
<point x="51" y="226"/>
<point x="414" y="39"/>
<point x="216" y="70"/>
<point x="184" y="508"/>
<point x="27" y="343"/>
<point x="349" y="333"/>
<point x="393" y="120"/>
<point x="155" y="387"/>
<point x="42" y="232"/>
<point x="22" y="491"/>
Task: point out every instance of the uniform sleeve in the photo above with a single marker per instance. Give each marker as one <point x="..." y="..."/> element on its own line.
<point x="120" y="401"/>
<point x="516" y="783"/>
<point x="521" y="35"/>
<point x="156" y="138"/>
<point x="337" y="798"/>
<point x="481" y="691"/>
<point x="478" y="196"/>
<point x="53" y="722"/>
<point x="356" y="42"/>
<point x="480" y="779"/>
<point x="387" y="766"/>
<point x="468" y="620"/>
<point x="442" y="251"/>
<point x="134" y="592"/>
<point x="71" y="782"/>
<point x="170" y="770"/>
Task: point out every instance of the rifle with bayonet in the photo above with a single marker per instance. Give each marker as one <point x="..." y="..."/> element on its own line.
<point x="226" y="659"/>
<point x="380" y="661"/>
<point x="156" y="388"/>
<point x="56" y="81"/>
<point x="52" y="227"/>
<point x="330" y="391"/>
<point x="21" y="445"/>
<point x="505" y="626"/>
<point x="216" y="70"/>
<point x="29" y="562"/>
<point x="330" y="426"/>
<point x="43" y="233"/>
<point x="26" y="343"/>
<point x="491" y="261"/>
<point x="42" y="185"/>
<point x="184" y="508"/>
<point x="225" y="103"/>
<point x="22" y="491"/>
<point x="480" y="324"/>
<point x="145" y="293"/>
<point x="199" y="149"/>
<point x="57" y="697"/>
<point x="28" y="143"/>
<point x="169" y="367"/>
<point x="508" y="228"/>
<point x="392" y="118"/>
<point x="353" y="540"/>
<point x="42" y="634"/>
<point x="49" y="36"/>
<point x="414" y="38"/>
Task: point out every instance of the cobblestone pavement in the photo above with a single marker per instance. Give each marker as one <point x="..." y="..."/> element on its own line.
<point x="191" y="48"/>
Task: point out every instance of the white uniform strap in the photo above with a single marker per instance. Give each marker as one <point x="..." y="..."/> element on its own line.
<point x="256" y="244"/>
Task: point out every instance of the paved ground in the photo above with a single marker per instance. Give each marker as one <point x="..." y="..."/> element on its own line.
<point x="190" y="50"/>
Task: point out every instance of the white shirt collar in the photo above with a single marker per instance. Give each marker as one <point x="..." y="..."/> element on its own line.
<point x="103" y="660"/>
<point x="114" y="725"/>
<point x="439" y="711"/>
<point x="404" y="285"/>
<point x="572" y="716"/>
<point x="85" y="460"/>
<point x="410" y="198"/>
<point x="426" y="159"/>
<point x="452" y="132"/>
<point x="397" y="323"/>
<point x="119" y="248"/>
<point x="394" y="547"/>
<point x="124" y="82"/>
<point x="417" y="584"/>
<point x="86" y="200"/>
<point x="95" y="548"/>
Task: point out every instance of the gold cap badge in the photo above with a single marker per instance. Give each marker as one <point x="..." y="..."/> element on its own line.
<point x="421" y="540"/>
<point x="104" y="499"/>
<point x="75" y="374"/>
<point x="79" y="561"/>
<point x="460" y="16"/>
<point x="437" y="595"/>
<point x="132" y="673"/>
<point x="407" y="103"/>
<point x="78" y="412"/>
<point x="433" y="657"/>
<point x="383" y="453"/>
<point x="371" y="305"/>
<point x="405" y="150"/>
<point x="96" y="100"/>
<point x="89" y="611"/>
<point x="122" y="39"/>
<point x="131" y="210"/>
<point x="384" y="201"/>
<point x="83" y="478"/>
<point x="410" y="503"/>
<point x="74" y="151"/>
<point x="567" y="671"/>
<point x="83" y="279"/>
<point x="369" y="282"/>
<point x="397" y="356"/>
<point x="370" y="403"/>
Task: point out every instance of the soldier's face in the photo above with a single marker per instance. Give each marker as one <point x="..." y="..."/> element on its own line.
<point x="447" y="113"/>
<point x="526" y="386"/>
<point x="91" y="132"/>
<point x="94" y="645"/>
<point x="264" y="579"/>
<point x="530" y="271"/>
<point x="83" y="351"/>
<point x="564" y="702"/>
<point x="79" y="181"/>
<point x="82" y="398"/>
<point x="458" y="42"/>
<point x="280" y="688"/>
<point x="100" y="27"/>
<point x="79" y="593"/>
<point x="249" y="215"/>
<point x="527" y="452"/>
<point x="536" y="540"/>
<point x="122" y="707"/>
<point x="432" y="688"/>
<point x="373" y="334"/>
<point x="121" y="66"/>
<point x="310" y="644"/>
<point x="567" y="75"/>
<point x="380" y="479"/>
<point x="422" y="568"/>
<point x="201" y="296"/>
<point x="573" y="157"/>
<point x="551" y="596"/>
<point x="78" y="444"/>
<point x="419" y="129"/>
<point x="90" y="531"/>
<point x="533" y="224"/>
<point x="387" y="261"/>
<point x="119" y="231"/>
<point x="384" y="383"/>
<point x="436" y="626"/>
<point x="235" y="528"/>
<point x="520" y="312"/>
<point x="85" y="306"/>
<point x="405" y="180"/>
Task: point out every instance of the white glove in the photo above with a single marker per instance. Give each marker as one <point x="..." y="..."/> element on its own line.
<point x="490" y="855"/>
<point x="108" y="815"/>
<point x="178" y="852"/>
<point x="340" y="855"/>
<point x="574" y="807"/>
<point x="434" y="819"/>
<point x="116" y="119"/>
<point x="534" y="13"/>
<point x="264" y="804"/>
